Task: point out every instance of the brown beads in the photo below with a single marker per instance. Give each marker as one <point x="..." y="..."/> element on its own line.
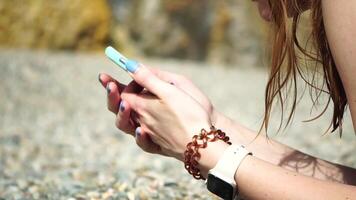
<point x="191" y="154"/>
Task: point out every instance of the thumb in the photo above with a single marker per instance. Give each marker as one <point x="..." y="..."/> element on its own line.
<point x="147" y="79"/>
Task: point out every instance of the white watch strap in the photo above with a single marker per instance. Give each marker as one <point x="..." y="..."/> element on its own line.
<point x="229" y="163"/>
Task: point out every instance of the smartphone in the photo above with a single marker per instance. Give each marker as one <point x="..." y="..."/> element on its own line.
<point x="116" y="57"/>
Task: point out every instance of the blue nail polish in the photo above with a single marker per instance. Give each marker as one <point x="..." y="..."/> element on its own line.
<point x="132" y="66"/>
<point x="138" y="132"/>
<point x="116" y="57"/>
<point x="122" y="106"/>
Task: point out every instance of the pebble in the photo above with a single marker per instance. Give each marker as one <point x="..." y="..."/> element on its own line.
<point x="131" y="196"/>
<point x="22" y="184"/>
<point x="93" y="194"/>
<point x="109" y="193"/>
<point x="121" y="187"/>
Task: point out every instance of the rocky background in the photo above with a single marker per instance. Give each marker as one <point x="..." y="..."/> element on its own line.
<point x="206" y="30"/>
<point x="62" y="24"/>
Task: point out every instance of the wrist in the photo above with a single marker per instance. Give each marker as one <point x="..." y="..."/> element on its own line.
<point x="203" y="152"/>
<point x="237" y="133"/>
<point x="210" y="156"/>
<point x="222" y="122"/>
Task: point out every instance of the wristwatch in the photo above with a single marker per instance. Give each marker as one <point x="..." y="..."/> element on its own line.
<point x="221" y="179"/>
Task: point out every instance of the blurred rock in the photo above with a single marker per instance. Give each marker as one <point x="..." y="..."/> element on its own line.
<point x="61" y="24"/>
<point x="206" y="30"/>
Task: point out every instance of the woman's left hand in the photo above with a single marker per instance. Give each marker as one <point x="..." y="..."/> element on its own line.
<point x="168" y="115"/>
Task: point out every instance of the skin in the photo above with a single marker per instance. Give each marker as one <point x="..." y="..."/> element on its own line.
<point x="167" y="125"/>
<point x="264" y="9"/>
<point x="266" y="13"/>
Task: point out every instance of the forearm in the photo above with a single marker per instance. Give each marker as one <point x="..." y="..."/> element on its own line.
<point x="286" y="157"/>
<point x="257" y="179"/>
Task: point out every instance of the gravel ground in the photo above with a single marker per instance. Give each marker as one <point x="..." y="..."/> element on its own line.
<point x="58" y="141"/>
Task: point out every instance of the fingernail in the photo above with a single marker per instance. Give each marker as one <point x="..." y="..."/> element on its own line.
<point x="99" y="78"/>
<point x="108" y="90"/>
<point x="122" y="106"/>
<point x="132" y="65"/>
<point x="138" y="132"/>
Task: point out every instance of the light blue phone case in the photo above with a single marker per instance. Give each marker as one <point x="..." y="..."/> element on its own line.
<point x="116" y="57"/>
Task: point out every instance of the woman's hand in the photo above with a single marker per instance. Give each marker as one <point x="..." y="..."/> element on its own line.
<point x="127" y="120"/>
<point x="115" y="88"/>
<point x="186" y="86"/>
<point x="164" y="110"/>
<point x="167" y="114"/>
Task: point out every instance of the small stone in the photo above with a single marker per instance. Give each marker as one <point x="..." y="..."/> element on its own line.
<point x="121" y="187"/>
<point x="170" y="184"/>
<point x="80" y="197"/>
<point x="93" y="194"/>
<point x="131" y="196"/>
<point x="109" y="193"/>
<point x="22" y="184"/>
<point x="13" y="189"/>
<point x="33" y="189"/>
<point x="36" y="195"/>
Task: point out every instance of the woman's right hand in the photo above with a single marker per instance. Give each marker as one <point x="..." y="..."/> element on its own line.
<point x="125" y="118"/>
<point x="186" y="85"/>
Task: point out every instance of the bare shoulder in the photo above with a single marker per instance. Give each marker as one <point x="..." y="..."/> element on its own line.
<point x="340" y="25"/>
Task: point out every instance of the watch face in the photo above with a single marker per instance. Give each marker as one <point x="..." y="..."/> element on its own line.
<point x="220" y="187"/>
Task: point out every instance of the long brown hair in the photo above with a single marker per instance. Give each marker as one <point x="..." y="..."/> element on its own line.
<point x="287" y="53"/>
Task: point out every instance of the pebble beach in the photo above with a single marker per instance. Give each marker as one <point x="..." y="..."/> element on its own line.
<point x="58" y="140"/>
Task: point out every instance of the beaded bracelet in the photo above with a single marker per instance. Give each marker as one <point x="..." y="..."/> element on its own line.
<point x="191" y="154"/>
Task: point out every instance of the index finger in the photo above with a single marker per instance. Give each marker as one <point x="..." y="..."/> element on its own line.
<point x="147" y="79"/>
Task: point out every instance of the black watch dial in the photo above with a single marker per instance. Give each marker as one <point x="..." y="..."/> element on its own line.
<point x="220" y="187"/>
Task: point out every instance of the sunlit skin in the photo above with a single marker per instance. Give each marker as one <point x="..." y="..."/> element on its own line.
<point x="266" y="12"/>
<point x="164" y="113"/>
<point x="264" y="9"/>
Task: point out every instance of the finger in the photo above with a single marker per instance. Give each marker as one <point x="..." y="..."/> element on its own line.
<point x="165" y="76"/>
<point x="144" y="141"/>
<point x="137" y="102"/>
<point x="182" y="83"/>
<point x="127" y="120"/>
<point x="104" y="79"/>
<point x="134" y="118"/>
<point x="133" y="87"/>
<point x="113" y="97"/>
<point x="123" y="120"/>
<point x="147" y="79"/>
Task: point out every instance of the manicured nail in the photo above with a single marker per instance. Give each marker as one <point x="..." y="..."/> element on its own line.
<point x="108" y="90"/>
<point x="132" y="66"/>
<point x="99" y="78"/>
<point x="138" y="132"/>
<point x="122" y="106"/>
